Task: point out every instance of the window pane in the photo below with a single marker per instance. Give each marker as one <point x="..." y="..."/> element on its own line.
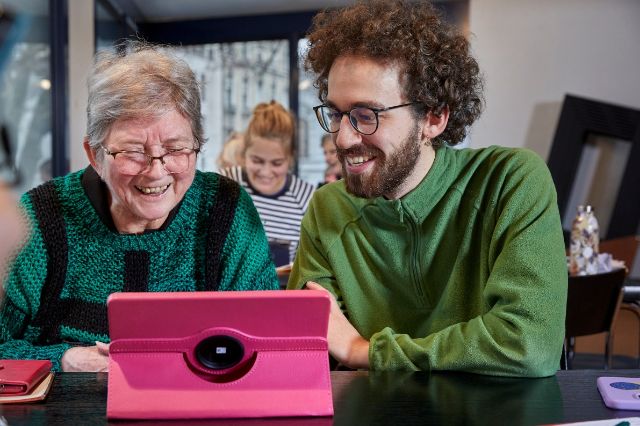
<point x="25" y="93"/>
<point x="235" y="77"/>
<point x="108" y="29"/>
<point x="311" y="159"/>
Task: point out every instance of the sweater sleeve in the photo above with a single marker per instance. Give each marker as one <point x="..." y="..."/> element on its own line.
<point x="14" y="345"/>
<point x="22" y="293"/>
<point x="521" y="330"/>
<point x="247" y="263"/>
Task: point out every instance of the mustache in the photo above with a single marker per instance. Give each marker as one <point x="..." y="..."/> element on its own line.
<point x="359" y="150"/>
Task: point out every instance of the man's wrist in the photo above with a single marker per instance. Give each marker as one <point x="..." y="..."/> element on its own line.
<point x="359" y="354"/>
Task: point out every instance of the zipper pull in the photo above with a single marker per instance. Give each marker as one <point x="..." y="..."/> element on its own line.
<point x="400" y="210"/>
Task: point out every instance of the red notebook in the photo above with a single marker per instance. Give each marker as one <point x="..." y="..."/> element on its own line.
<point x="19" y="377"/>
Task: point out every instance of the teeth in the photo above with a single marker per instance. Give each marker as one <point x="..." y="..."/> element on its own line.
<point x="354" y="161"/>
<point x="153" y="190"/>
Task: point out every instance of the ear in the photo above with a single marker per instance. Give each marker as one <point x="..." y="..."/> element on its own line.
<point x="91" y="155"/>
<point x="434" y="125"/>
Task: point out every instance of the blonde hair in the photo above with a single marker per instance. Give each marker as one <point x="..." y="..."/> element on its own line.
<point x="271" y="121"/>
<point x="231" y="151"/>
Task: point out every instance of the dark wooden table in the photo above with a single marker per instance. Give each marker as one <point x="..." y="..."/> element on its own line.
<point x="362" y="398"/>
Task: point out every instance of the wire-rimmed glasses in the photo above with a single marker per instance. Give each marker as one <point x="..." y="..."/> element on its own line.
<point x="133" y="163"/>
<point x="363" y="119"/>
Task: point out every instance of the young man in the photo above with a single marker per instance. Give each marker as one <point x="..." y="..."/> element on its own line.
<point x="439" y="259"/>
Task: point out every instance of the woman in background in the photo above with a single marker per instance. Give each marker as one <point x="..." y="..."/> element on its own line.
<point x="333" y="172"/>
<point x="280" y="197"/>
<point x="13" y="228"/>
<point x="232" y="151"/>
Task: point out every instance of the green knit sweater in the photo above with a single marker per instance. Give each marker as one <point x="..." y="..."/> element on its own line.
<point x="466" y="272"/>
<point x="56" y="291"/>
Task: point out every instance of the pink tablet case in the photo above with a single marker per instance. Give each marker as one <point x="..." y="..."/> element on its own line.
<point x="154" y="371"/>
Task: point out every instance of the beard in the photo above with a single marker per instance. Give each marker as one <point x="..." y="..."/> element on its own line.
<point x="388" y="173"/>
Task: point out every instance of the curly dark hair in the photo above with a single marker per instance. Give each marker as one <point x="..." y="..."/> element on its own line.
<point x="438" y="70"/>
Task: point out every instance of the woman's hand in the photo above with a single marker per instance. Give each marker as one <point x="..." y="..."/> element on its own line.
<point x="346" y="345"/>
<point x="86" y="358"/>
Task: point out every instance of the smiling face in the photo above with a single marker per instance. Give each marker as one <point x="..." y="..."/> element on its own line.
<point x="144" y="201"/>
<point x="267" y="164"/>
<point x="393" y="160"/>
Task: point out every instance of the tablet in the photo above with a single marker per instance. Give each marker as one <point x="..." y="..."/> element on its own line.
<point x="218" y="354"/>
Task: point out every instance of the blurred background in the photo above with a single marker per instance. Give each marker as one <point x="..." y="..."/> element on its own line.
<point x="533" y="53"/>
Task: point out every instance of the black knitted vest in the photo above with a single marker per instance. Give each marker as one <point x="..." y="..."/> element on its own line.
<point x="54" y="311"/>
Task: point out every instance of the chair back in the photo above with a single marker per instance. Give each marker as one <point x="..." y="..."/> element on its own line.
<point x="592" y="302"/>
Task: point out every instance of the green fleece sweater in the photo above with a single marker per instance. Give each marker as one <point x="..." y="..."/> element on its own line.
<point x="56" y="291"/>
<point x="466" y="272"/>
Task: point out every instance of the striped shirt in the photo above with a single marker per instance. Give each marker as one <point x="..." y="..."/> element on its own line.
<point x="281" y="213"/>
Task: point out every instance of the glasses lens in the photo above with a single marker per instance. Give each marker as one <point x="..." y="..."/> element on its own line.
<point x="335" y="117"/>
<point x="322" y="119"/>
<point x="177" y="161"/>
<point x="329" y="118"/>
<point x="130" y="163"/>
<point x="364" y="120"/>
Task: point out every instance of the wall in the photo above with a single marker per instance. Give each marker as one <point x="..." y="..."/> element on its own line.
<point x="533" y="52"/>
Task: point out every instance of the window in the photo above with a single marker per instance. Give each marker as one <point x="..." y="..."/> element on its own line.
<point x="235" y="78"/>
<point x="311" y="158"/>
<point x="25" y="95"/>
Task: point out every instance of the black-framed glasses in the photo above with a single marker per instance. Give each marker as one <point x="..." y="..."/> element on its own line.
<point x="133" y="163"/>
<point x="363" y="119"/>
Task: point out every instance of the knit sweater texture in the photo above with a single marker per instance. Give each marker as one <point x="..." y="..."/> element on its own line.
<point x="466" y="272"/>
<point x="57" y="289"/>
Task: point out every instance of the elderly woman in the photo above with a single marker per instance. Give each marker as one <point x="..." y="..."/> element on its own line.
<point x="140" y="218"/>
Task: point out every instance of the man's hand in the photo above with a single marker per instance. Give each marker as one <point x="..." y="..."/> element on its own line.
<point x="346" y="345"/>
<point x="86" y="358"/>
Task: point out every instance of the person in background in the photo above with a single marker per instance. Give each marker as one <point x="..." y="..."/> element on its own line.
<point x="232" y="151"/>
<point x="13" y="223"/>
<point x="333" y="172"/>
<point x="280" y="197"/>
<point x="13" y="228"/>
<point x="439" y="259"/>
<point x="139" y="218"/>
